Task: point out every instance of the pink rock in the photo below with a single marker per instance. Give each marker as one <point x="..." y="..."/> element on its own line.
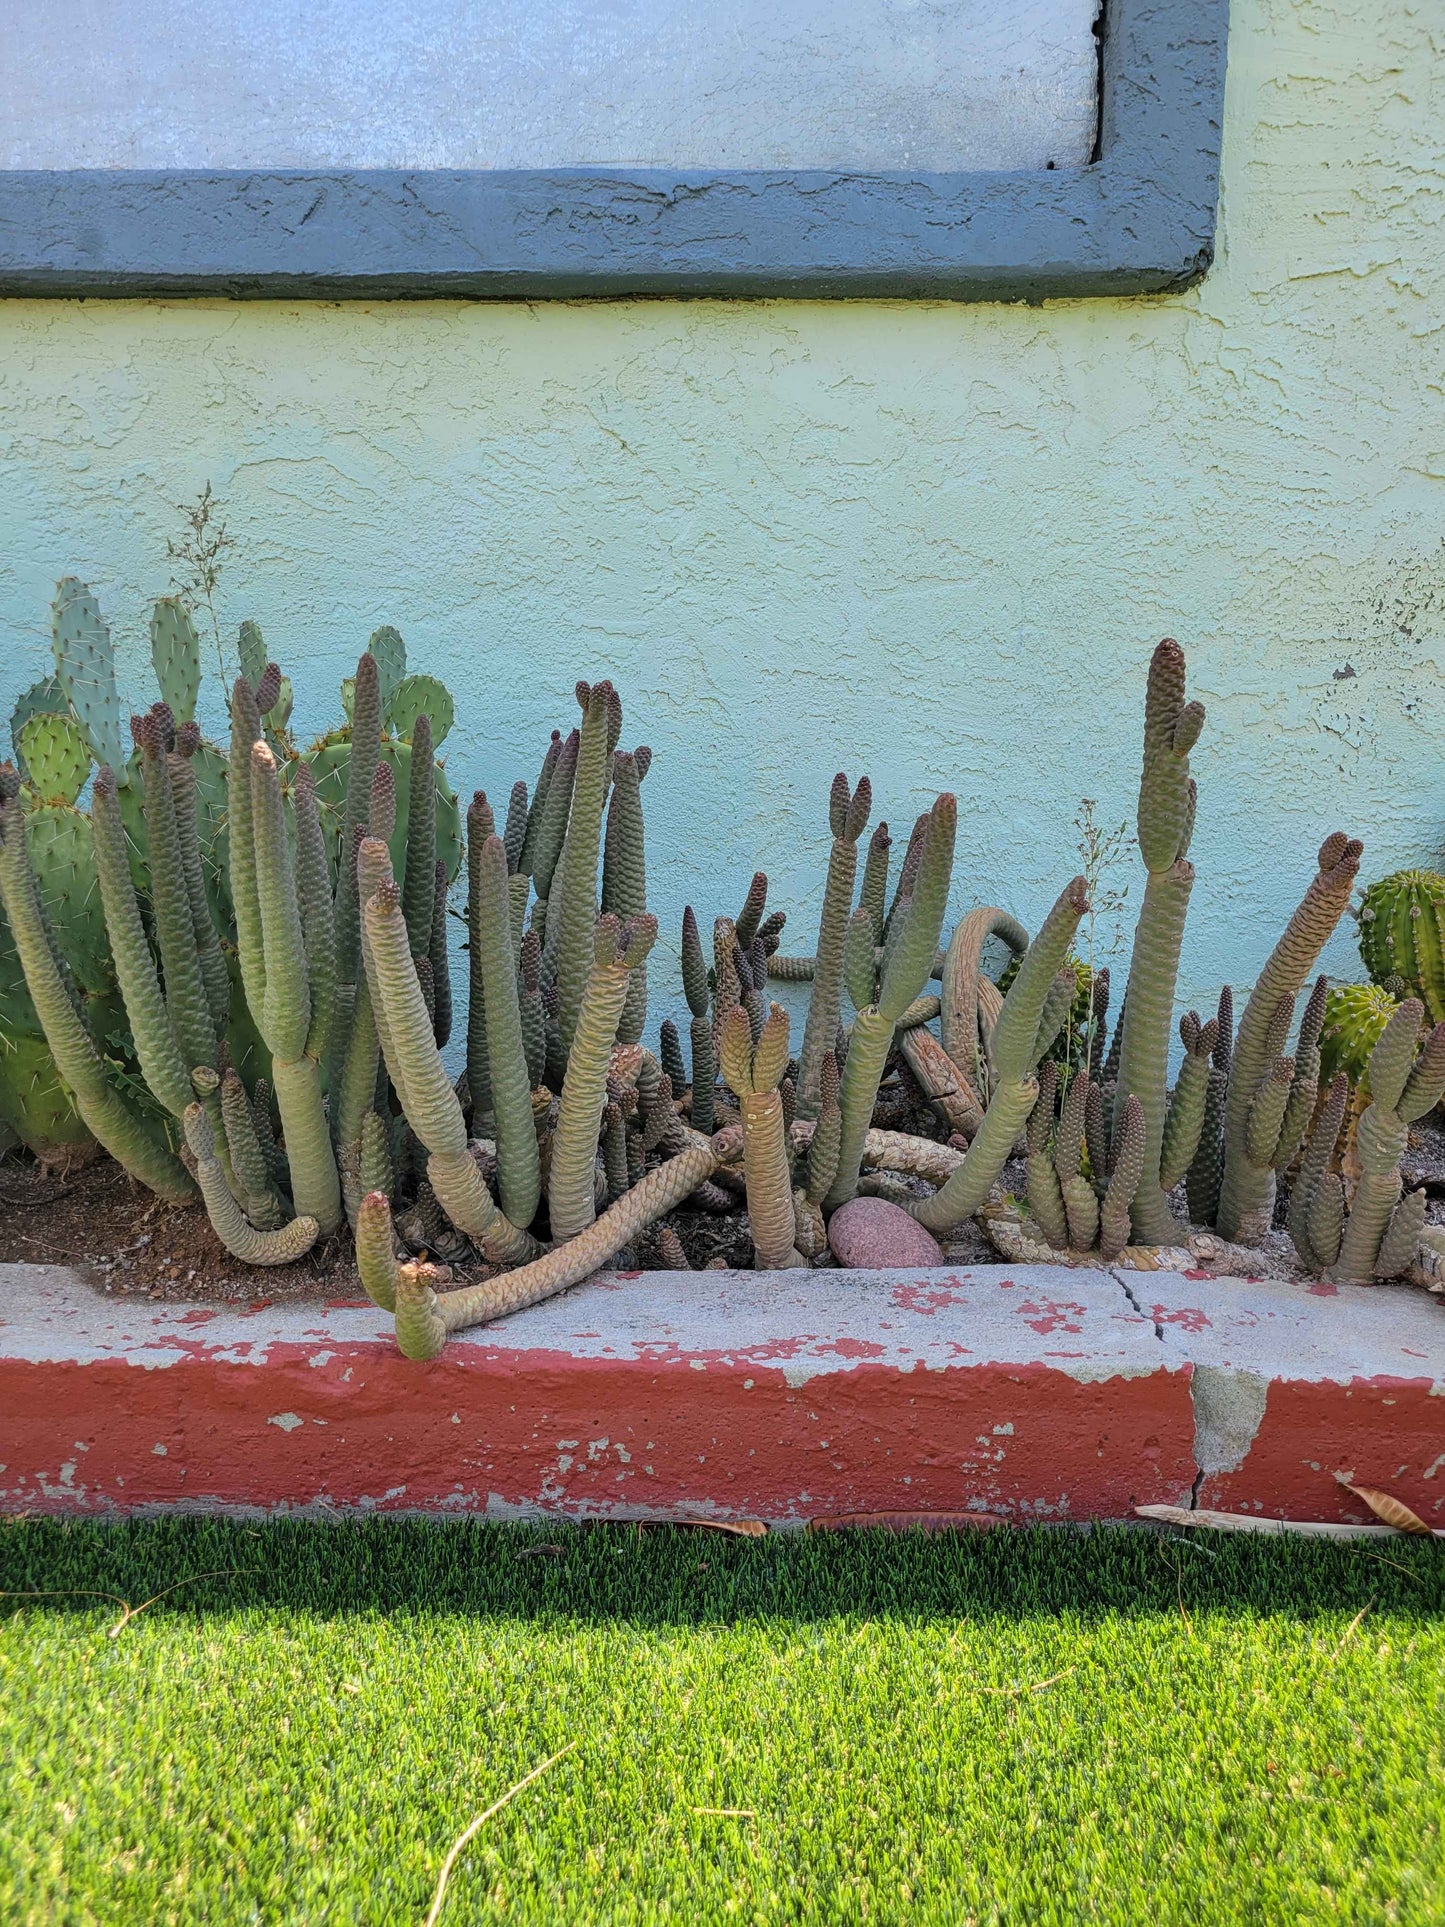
<point x="871" y="1234"/>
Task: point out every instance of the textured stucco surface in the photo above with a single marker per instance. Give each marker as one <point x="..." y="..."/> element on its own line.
<point x="928" y="541"/>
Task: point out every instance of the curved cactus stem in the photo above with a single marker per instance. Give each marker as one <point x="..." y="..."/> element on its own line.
<point x="1185" y="1120"/>
<point x="131" y="1139"/>
<point x="1327" y="1219"/>
<point x="519" y="1169"/>
<point x="848" y="815"/>
<point x="1246" y="1197"/>
<point x="237" y="1234"/>
<point x="571" y="1190"/>
<point x="431" y="1316"/>
<point x="958" y="997"/>
<point x="1266" y="1114"/>
<point x="967" y="1189"/>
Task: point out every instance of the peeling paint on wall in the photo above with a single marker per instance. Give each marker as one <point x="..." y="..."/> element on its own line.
<point x="934" y="542"/>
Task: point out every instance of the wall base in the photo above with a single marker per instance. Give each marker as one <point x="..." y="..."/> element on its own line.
<point x="1017" y="1392"/>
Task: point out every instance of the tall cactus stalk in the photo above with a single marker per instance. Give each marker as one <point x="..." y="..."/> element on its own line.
<point x="1165" y="824"/>
<point x="519" y="1169"/>
<point x="285" y="1016"/>
<point x="571" y="1190"/>
<point x="572" y="906"/>
<point x="624" y="873"/>
<point x="904" y="975"/>
<point x="1246" y="1197"/>
<point x="426" y="1093"/>
<point x="418" y="889"/>
<point x="847" y="818"/>
<point x="753" y="1073"/>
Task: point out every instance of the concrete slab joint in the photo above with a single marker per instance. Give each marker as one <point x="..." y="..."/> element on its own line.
<point x="1005" y="1393"/>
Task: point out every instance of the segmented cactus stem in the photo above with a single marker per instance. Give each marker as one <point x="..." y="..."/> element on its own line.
<point x="425" y="1318"/>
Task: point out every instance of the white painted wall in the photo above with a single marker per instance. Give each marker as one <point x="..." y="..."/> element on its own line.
<point x="547" y="83"/>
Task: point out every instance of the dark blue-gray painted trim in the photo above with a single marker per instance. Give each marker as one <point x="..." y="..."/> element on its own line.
<point x="1139" y="219"/>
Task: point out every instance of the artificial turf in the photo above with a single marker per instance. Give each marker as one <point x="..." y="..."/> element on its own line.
<point x="1026" y="1727"/>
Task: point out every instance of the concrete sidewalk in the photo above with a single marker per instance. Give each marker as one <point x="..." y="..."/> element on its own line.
<point x="1018" y="1393"/>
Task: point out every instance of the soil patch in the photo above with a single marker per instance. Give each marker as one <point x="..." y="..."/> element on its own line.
<point x="124" y="1240"/>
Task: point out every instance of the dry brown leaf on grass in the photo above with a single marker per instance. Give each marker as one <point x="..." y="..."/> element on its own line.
<point x="1393" y="1511"/>
<point x="1178" y="1515"/>
<point x="906" y="1522"/>
<point x="739" y="1528"/>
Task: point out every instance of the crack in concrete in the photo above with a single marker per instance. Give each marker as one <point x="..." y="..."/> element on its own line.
<point x="1128" y="1290"/>
<point x="1121" y="1280"/>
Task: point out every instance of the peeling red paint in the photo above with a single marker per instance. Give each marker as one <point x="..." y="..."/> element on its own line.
<point x="1383" y="1432"/>
<point x="1190" y="1320"/>
<point x="736" y="1436"/>
<point x="1047" y="1318"/>
<point x="928" y="1299"/>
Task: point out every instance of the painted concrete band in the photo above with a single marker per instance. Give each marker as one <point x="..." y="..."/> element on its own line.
<point x="1139" y="219"/>
<point x="1021" y="1393"/>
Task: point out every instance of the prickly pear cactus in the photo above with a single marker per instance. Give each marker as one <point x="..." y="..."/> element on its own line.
<point x="1402" y="933"/>
<point x="55" y="757"/>
<point x="330" y="761"/>
<point x="85" y="667"/>
<point x="420" y="696"/>
<point x="1355" y="1015"/>
<point x="44" y="698"/>
<point x="176" y="657"/>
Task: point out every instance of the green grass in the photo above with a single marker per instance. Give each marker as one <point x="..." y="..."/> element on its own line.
<point x="1223" y="1739"/>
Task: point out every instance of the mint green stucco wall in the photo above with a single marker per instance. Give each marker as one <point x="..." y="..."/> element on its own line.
<point x="931" y="542"/>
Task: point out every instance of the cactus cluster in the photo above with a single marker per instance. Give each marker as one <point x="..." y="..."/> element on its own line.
<point x="238" y="962"/>
<point x="1350" y="1218"/>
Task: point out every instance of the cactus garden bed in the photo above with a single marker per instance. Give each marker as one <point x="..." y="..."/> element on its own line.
<point x="232" y="972"/>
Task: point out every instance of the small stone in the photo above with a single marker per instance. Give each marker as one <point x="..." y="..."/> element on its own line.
<point x="870" y="1234"/>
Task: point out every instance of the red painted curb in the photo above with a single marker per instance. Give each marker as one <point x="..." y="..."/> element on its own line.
<point x="1022" y="1393"/>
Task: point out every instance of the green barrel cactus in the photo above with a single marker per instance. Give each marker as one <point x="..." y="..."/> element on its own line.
<point x="1355" y="1015"/>
<point x="1402" y="934"/>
